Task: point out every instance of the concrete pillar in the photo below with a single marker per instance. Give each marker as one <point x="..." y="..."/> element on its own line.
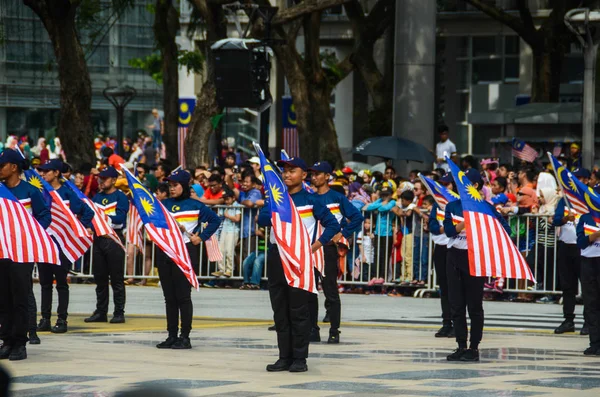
<point x="344" y="109"/>
<point x="414" y="75"/>
<point x="187" y="88"/>
<point x="525" y="68"/>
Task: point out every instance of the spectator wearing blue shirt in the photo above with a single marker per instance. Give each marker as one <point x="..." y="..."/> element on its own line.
<point x="250" y="197"/>
<point x="17" y="303"/>
<point x="384" y="230"/>
<point x="499" y="197"/>
<point x="350" y="220"/>
<point x="51" y="172"/>
<point x="108" y="257"/>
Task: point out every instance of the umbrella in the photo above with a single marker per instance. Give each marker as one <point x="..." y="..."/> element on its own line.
<point x="394" y="148"/>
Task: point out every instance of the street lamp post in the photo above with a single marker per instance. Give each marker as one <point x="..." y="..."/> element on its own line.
<point x="120" y="98"/>
<point x="585" y="24"/>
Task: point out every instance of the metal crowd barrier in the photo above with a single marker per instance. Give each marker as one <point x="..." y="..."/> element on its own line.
<point x="374" y="255"/>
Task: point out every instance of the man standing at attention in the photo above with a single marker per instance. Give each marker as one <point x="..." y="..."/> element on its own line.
<point x="158" y="129"/>
<point x="445" y="147"/>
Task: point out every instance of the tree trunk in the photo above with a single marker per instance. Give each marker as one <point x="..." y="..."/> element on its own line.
<point x="166" y="25"/>
<point x="200" y="129"/>
<point x="547" y="67"/>
<point x="74" y="122"/>
<point x="196" y="143"/>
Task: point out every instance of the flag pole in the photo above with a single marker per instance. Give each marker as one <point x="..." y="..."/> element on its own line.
<point x="559" y="183"/>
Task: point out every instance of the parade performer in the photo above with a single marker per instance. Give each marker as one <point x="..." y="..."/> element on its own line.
<point x="293" y="214"/>
<point x="23" y="217"/>
<point x="350" y="220"/>
<point x="479" y="246"/>
<point x="70" y="235"/>
<point x="108" y="256"/>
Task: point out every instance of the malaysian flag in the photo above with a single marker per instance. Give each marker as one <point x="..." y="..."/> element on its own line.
<point x="291" y="143"/>
<point x="135" y="228"/>
<point x="523" y="151"/>
<point x="100" y="222"/>
<point x="22" y="238"/>
<point x="212" y="249"/>
<point x="161" y="227"/>
<point x="290" y="233"/>
<point x="70" y="234"/>
<point x="186" y="109"/>
<point x="441" y="195"/>
<point x="574" y="191"/>
<point x="491" y="251"/>
<point x="181" y="135"/>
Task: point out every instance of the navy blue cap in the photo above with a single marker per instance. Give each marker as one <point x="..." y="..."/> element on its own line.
<point x="582" y="173"/>
<point x="11" y="156"/>
<point x="474" y="176"/>
<point x="322" y="166"/>
<point x="500" y="199"/>
<point x="447" y="178"/>
<point x="293" y="162"/>
<point x="180" y="176"/>
<point x="109" y="172"/>
<point x="52" y="165"/>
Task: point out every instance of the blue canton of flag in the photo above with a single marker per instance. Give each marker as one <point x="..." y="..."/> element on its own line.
<point x="491" y="251"/>
<point x="279" y="199"/>
<point x="576" y="193"/>
<point x="146" y="203"/>
<point x="441" y="195"/>
<point x="37" y="181"/>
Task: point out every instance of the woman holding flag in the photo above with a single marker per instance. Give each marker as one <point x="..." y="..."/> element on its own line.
<point x="190" y="214"/>
<point x="51" y="172"/>
<point x="15" y="276"/>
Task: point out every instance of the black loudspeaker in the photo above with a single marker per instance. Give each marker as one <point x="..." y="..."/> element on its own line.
<point x="242" y="77"/>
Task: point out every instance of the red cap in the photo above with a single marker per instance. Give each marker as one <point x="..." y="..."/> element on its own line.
<point x="347" y="170"/>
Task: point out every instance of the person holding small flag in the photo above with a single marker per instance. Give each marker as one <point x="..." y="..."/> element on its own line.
<point x="293" y="213"/>
<point x="51" y="172"/>
<point x="350" y="220"/>
<point x="190" y="214"/>
<point x="17" y="264"/>
<point x="462" y="224"/>
<point x="109" y="257"/>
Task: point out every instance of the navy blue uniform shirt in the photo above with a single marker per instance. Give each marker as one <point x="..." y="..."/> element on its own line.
<point x="347" y="215"/>
<point x="191" y="214"/>
<point x="115" y="206"/>
<point x="33" y="201"/>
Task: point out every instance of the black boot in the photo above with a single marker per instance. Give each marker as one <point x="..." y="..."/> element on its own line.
<point x="33" y="339"/>
<point x="279" y="365"/>
<point x="44" y="325"/>
<point x="118" y="319"/>
<point x="182" y="343"/>
<point x="5" y="351"/>
<point x="96" y="318"/>
<point x="18" y="353"/>
<point x="272" y="328"/>
<point x="566" y="326"/>
<point x="445" y="332"/>
<point x="315" y="336"/>
<point x="168" y="343"/>
<point x="60" y="327"/>
<point x="457" y="354"/>
<point x="334" y="337"/>
<point x="299" y="365"/>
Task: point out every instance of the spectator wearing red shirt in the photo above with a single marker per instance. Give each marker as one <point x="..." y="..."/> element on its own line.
<point x="214" y="194"/>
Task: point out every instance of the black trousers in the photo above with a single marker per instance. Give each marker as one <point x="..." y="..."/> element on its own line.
<point x="568" y="258"/>
<point x="177" y="292"/>
<point x="439" y="260"/>
<point x="333" y="304"/>
<point x="290" y="310"/>
<point x="108" y="262"/>
<point x="32" y="309"/>
<point x="590" y="283"/>
<point x="48" y="273"/>
<point x="15" y="287"/>
<point x="464" y="292"/>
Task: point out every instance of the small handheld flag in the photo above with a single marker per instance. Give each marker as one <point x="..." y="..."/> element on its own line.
<point x="523" y="151"/>
<point x="68" y="231"/>
<point x="441" y="195"/>
<point x="290" y="233"/>
<point x="491" y="251"/>
<point x="161" y="227"/>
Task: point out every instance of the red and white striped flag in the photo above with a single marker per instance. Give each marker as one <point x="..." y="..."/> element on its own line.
<point x="22" y="238"/>
<point x="161" y="226"/>
<point x="212" y="249"/>
<point x="181" y="135"/>
<point x="100" y="221"/>
<point x="135" y="228"/>
<point x="291" y="141"/>
<point x="491" y="251"/>
<point x="68" y="231"/>
<point x="523" y="151"/>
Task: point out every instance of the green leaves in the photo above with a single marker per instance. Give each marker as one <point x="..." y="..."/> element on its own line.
<point x="193" y="61"/>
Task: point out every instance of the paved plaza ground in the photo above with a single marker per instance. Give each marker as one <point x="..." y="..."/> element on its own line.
<point x="387" y="348"/>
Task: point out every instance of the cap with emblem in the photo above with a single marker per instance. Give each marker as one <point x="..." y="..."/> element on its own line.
<point x="10" y="156"/>
<point x="582" y="173"/>
<point x="52" y="165"/>
<point x="108" y="172"/>
<point x="446" y="178"/>
<point x="321" y="166"/>
<point x="385" y="190"/>
<point x="474" y="176"/>
<point x="293" y="162"/>
<point x="179" y="176"/>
